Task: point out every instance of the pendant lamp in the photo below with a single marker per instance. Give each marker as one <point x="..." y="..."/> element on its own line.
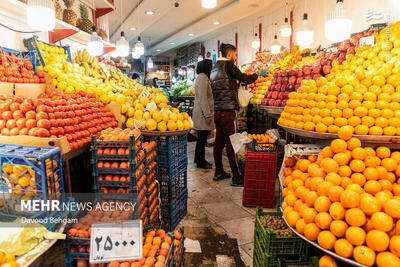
<point x="135" y="55"/>
<point x="256" y="42"/>
<point x="276" y="46"/>
<point x="305" y="36"/>
<point x="95" y="45"/>
<point x="122" y="46"/>
<point x="209" y="3"/>
<point x="150" y="63"/>
<point x="286" y="29"/>
<point x="139" y="47"/>
<point x="41" y="15"/>
<point x="337" y="26"/>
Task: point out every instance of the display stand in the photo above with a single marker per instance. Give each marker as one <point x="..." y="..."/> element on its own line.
<point x="66" y="166"/>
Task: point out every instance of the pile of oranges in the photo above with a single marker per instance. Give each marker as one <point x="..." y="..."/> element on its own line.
<point x="362" y="92"/>
<point x="347" y="199"/>
<point x="261" y="138"/>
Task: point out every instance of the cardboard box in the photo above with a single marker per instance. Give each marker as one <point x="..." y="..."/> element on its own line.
<point x="6" y="89"/>
<point x="30" y="90"/>
<point x="116" y="110"/>
<point x="62" y="142"/>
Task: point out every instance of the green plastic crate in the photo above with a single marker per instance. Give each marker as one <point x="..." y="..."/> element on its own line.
<point x="277" y="246"/>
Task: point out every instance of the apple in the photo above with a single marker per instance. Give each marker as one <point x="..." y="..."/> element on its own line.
<point x="292" y="73"/>
<point x="285" y="80"/>
<point x="299" y="79"/>
<point x="317" y="69"/>
<point x="299" y="73"/>
<point x="292" y="79"/>
<point x="277" y="103"/>
<point x="279" y="80"/>
<point x="326" y="69"/>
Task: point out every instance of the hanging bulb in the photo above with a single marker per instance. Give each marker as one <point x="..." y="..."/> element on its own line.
<point x="200" y="58"/>
<point x="209" y="3"/>
<point x="286" y="29"/>
<point x="122" y="46"/>
<point x="276" y="46"/>
<point x="305" y="37"/>
<point x="135" y="55"/>
<point x="139" y="47"/>
<point x="161" y="72"/>
<point x="150" y="63"/>
<point x="95" y="45"/>
<point x="337" y="27"/>
<point x="256" y="42"/>
<point x="41" y="15"/>
<point x="113" y="53"/>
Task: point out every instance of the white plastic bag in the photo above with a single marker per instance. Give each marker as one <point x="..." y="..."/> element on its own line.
<point x="244" y="97"/>
<point x="238" y="140"/>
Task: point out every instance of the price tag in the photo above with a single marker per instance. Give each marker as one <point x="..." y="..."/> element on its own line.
<point x="369" y="40"/>
<point x="118" y="241"/>
<point x="105" y="69"/>
<point x="145" y="93"/>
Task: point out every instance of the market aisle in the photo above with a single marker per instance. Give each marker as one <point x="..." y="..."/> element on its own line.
<point x="218" y="206"/>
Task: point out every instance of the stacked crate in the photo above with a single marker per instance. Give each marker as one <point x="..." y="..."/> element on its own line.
<point x="172" y="176"/>
<point x="119" y="173"/>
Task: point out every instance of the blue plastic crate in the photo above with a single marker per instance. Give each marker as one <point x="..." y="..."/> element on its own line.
<point x="30" y="172"/>
<point x="173" y="213"/>
<point x="166" y="174"/>
<point x="176" y="253"/>
<point x="170" y="190"/>
<point x="32" y="44"/>
<point x="29" y="54"/>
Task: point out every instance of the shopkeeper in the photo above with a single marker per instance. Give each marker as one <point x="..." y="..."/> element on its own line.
<point x="225" y="78"/>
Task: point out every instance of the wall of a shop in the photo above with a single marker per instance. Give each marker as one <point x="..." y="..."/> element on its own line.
<point x="317" y="12"/>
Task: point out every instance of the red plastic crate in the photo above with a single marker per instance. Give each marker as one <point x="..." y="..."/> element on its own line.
<point x="259" y="179"/>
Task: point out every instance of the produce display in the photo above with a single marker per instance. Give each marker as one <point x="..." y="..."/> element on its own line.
<point x="8" y="260"/>
<point x="362" y="92"/>
<point x="183" y="88"/>
<point x="346" y="199"/>
<point x="277" y="225"/>
<point x="15" y="69"/>
<point x="55" y="114"/>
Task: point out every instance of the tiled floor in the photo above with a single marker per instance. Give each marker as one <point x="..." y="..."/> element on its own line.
<point x="219" y="205"/>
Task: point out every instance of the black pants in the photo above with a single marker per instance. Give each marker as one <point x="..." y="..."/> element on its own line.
<point x="200" y="153"/>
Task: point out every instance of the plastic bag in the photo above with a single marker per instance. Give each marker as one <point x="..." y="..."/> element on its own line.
<point x="238" y="141"/>
<point x="244" y="97"/>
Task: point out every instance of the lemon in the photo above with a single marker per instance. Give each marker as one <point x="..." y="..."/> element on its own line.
<point x="70" y="90"/>
<point x="120" y="99"/>
<point x="171" y="125"/>
<point x="62" y="77"/>
<point x="146" y="115"/>
<point x="52" y="73"/>
<point x="157" y="116"/>
<point x="186" y="124"/>
<point x="130" y="112"/>
<point x="144" y="100"/>
<point x="105" y="99"/>
<point x="162" y="126"/>
<point x="173" y="117"/>
<point x="165" y="116"/>
<point x="55" y="82"/>
<point x="130" y="123"/>
<point x="139" y="106"/>
<point x="162" y="105"/>
<point x="175" y="110"/>
<point x="124" y="108"/>
<point x="151" y="125"/>
<point x="123" y="119"/>
<point x="185" y="115"/>
<point x="180" y="117"/>
<point x="62" y="85"/>
<point x="180" y="125"/>
<point x="138" y="114"/>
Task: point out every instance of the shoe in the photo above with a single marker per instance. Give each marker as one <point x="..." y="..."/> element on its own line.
<point x="221" y="176"/>
<point x="205" y="165"/>
<point x="237" y="184"/>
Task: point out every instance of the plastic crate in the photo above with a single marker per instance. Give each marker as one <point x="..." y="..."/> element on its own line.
<point x="32" y="44"/>
<point x="30" y="172"/>
<point x="167" y="174"/>
<point x="260" y="177"/>
<point x="171" y="150"/>
<point x="30" y="54"/>
<point x="173" y="213"/>
<point x="277" y="246"/>
<point x="170" y="190"/>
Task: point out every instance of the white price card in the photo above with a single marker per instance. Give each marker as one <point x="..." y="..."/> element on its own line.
<point x="104" y="68"/>
<point x="369" y="40"/>
<point x="145" y="93"/>
<point x="118" y="241"/>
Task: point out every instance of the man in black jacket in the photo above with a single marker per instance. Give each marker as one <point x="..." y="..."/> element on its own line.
<point x="225" y="78"/>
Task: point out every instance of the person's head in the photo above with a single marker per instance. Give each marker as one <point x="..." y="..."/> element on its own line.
<point x="155" y="82"/>
<point x="228" y="51"/>
<point x="136" y="77"/>
<point x="204" y="66"/>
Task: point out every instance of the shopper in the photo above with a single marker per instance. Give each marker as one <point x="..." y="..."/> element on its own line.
<point x="225" y="78"/>
<point x="203" y="111"/>
<point x="136" y="77"/>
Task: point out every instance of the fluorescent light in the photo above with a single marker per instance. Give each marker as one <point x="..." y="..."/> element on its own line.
<point x="171" y="43"/>
<point x="216" y="22"/>
<point x="209" y="3"/>
<point x="150" y="12"/>
<point x="132" y="28"/>
<point x="41" y="15"/>
<point x="158" y="50"/>
<point x="191" y="34"/>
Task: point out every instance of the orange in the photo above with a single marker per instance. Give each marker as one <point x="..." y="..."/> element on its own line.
<point x="394" y="245"/>
<point x="322" y="204"/>
<point x="398" y="227"/>
<point x="364" y="255"/>
<point x="387" y="259"/>
<point x="309" y="215"/>
<point x="343" y="248"/>
<point x="349" y="199"/>
<point x="334" y="193"/>
<point x="396" y="156"/>
<point x="382" y="221"/>
<point x="337" y="211"/>
<point x="315" y="182"/>
<point x="357" y="165"/>
<point x="372" y="161"/>
<point x="338" y="146"/>
<point x="345" y="182"/>
<point x="344" y="171"/>
<point x="375" y="130"/>
<point x="303" y="164"/>
<point x="327" y="261"/>
<point x="355" y="217"/>
<point x="389" y="164"/>
<point x="396" y="189"/>
<point x="312" y="168"/>
<point x="377" y="240"/>
<point x="358" y="178"/>
<point x="333" y="178"/>
<point x="361" y="129"/>
<point x="323" y="220"/>
<point x="359" y="153"/>
<point x="386" y="184"/>
<point x="290" y="199"/>
<point x="383" y="152"/>
<point x="356" y="188"/>
<point x="326" y="240"/>
<point x="392" y="208"/>
<point x="368" y="121"/>
<point x="300" y="224"/>
<point x="287" y="211"/>
<point x="383" y="173"/>
<point x="345" y="132"/>
<point x="370" y="151"/>
<point x="355" y="235"/>
<point x="338" y="228"/>
<point x="329" y="165"/>
<point x="353" y="143"/>
<point x="292" y="218"/>
<point x="311" y="231"/>
<point x="371" y="173"/>
<point x="372" y="187"/>
<point x="369" y="205"/>
<point x="341" y="159"/>
<point x="310" y="198"/>
<point x="326" y="152"/>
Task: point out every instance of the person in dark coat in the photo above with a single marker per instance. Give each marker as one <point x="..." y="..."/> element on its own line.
<point x="203" y="111"/>
<point x="136" y="77"/>
<point x="225" y="78"/>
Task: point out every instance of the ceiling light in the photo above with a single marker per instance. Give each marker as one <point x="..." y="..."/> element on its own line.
<point x="139" y="47"/>
<point x="286" y="29"/>
<point x="256" y="42"/>
<point x="305" y="36"/>
<point x="200" y="58"/>
<point x="337" y="27"/>
<point x="158" y="50"/>
<point x="95" y="45"/>
<point x="171" y="43"/>
<point x="191" y="34"/>
<point x="122" y="46"/>
<point x="150" y="12"/>
<point x="135" y="55"/>
<point x="41" y="15"/>
<point x="132" y="28"/>
<point x="216" y="22"/>
<point x="209" y="3"/>
<point x="276" y="46"/>
<point x="161" y="72"/>
<point x="150" y="63"/>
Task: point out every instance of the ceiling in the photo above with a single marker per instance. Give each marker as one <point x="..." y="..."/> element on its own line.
<point x="170" y="26"/>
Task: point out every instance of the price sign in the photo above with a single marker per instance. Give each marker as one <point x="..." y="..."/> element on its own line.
<point x="105" y="69"/>
<point x="369" y="40"/>
<point x="145" y="93"/>
<point x="118" y="241"/>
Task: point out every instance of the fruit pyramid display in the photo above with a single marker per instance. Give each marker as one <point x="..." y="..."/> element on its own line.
<point x="363" y="92"/>
<point x="347" y="199"/>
